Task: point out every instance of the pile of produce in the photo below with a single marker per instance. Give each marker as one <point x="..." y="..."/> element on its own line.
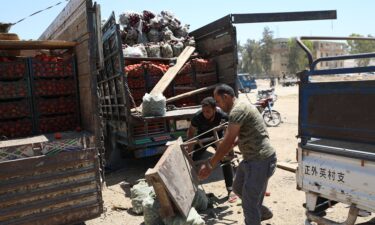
<point x="15" y="89"/>
<point x="54" y="87"/>
<point x="12" y="68"/>
<point x="203" y="65"/>
<point x="12" y="129"/>
<point x="59" y="105"/>
<point x="148" y="34"/>
<point x="135" y="73"/>
<point x="51" y="66"/>
<point x="57" y="123"/>
<point x="15" y="109"/>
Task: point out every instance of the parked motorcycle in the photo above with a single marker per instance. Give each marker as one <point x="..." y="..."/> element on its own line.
<point x="271" y="117"/>
<point x="267" y="93"/>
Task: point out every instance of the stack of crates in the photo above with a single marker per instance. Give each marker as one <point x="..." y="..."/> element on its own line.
<point x="16" y="118"/>
<point x="37" y="95"/>
<point x="55" y="94"/>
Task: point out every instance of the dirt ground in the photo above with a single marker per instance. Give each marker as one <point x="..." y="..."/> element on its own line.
<point x="285" y="201"/>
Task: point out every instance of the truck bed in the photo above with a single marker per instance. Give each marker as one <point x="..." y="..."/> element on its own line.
<point x="343" y="148"/>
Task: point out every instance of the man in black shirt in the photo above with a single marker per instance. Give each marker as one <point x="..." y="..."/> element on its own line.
<point x="209" y="117"/>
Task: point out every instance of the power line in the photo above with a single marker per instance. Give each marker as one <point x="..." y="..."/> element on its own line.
<point x="39" y="11"/>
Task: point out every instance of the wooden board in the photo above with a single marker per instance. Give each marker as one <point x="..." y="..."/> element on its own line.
<point x="178" y="113"/>
<point x="23" y="141"/>
<point x="8" y="45"/>
<point x="61" y="20"/>
<point x="172" y="71"/>
<point x="191" y="93"/>
<point x="178" y="177"/>
<point x="287" y="166"/>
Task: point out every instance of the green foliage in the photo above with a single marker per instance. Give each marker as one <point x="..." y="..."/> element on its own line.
<point x="266" y="49"/>
<point x="250" y="52"/>
<point x="256" y="55"/>
<point x="297" y="59"/>
<point x="359" y="46"/>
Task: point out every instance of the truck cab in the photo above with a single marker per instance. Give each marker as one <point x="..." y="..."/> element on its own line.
<point x="246" y="83"/>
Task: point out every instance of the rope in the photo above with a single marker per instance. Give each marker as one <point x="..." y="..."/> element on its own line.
<point x="131" y="98"/>
<point x="39" y="11"/>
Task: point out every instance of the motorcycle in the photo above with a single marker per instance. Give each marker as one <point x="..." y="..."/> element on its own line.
<point x="271" y="117"/>
<point x="267" y="93"/>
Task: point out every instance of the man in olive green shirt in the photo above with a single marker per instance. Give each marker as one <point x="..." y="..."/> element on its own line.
<point x="247" y="129"/>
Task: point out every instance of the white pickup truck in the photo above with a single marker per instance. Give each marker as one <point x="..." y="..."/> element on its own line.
<point x="336" y="153"/>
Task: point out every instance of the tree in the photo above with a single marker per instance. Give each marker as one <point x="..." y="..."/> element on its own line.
<point x="297" y="59"/>
<point x="266" y="50"/>
<point x="359" y="46"/>
<point x="250" y="52"/>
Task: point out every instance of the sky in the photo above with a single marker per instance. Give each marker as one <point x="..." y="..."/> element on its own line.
<point x="352" y="16"/>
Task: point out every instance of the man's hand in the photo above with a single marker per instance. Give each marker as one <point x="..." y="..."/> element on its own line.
<point x="205" y="171"/>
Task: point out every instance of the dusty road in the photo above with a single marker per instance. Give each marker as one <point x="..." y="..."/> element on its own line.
<point x="285" y="201"/>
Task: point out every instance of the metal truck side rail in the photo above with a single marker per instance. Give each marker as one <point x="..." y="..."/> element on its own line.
<point x="313" y="63"/>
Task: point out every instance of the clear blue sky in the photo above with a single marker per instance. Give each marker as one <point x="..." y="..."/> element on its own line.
<point x="353" y="16"/>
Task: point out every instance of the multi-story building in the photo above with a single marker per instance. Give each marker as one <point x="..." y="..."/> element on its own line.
<point x="321" y="49"/>
<point x="280" y="57"/>
<point x="326" y="49"/>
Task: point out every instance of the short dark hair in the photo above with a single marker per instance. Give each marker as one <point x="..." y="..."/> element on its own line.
<point x="223" y="89"/>
<point x="208" y="101"/>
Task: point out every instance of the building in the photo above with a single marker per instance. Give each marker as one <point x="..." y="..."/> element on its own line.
<point x="321" y="49"/>
<point x="280" y="57"/>
<point x="326" y="49"/>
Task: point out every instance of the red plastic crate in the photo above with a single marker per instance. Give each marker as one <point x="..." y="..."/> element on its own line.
<point x="52" y="66"/>
<point x="12" y="68"/>
<point x="14" y="89"/>
<point x="56" y="105"/>
<point x="14" y="109"/>
<point x="55" y="87"/>
<point x="57" y="123"/>
<point x="16" y="128"/>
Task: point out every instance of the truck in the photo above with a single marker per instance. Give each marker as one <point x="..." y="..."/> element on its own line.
<point x="216" y="42"/>
<point x="246" y="83"/>
<point x="335" y="154"/>
<point x="60" y="177"/>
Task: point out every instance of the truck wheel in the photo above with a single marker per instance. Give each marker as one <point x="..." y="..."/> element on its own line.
<point x="247" y="90"/>
<point x="272" y="119"/>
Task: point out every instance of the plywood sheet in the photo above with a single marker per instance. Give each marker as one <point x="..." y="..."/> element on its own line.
<point x="178" y="176"/>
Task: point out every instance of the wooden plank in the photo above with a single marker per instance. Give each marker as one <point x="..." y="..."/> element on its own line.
<point x="178" y="177"/>
<point x="23" y="141"/>
<point x="77" y="30"/>
<point x="84" y="81"/>
<point x="209" y="45"/>
<point x="8" y="45"/>
<point x="215" y="26"/>
<point x="225" y="60"/>
<point x="83" y="68"/>
<point x="172" y="71"/>
<point x="178" y="113"/>
<point x="166" y="205"/>
<point x="61" y="19"/>
<point x="227" y="75"/>
<point x="287" y="166"/>
<point x="191" y="93"/>
<point x="98" y="26"/>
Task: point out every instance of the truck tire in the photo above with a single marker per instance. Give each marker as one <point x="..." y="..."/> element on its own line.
<point x="247" y="90"/>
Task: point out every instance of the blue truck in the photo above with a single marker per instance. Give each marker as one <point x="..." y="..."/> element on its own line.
<point x="336" y="129"/>
<point x="246" y="83"/>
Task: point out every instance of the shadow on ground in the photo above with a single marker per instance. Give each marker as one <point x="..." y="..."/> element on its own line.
<point x="133" y="169"/>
